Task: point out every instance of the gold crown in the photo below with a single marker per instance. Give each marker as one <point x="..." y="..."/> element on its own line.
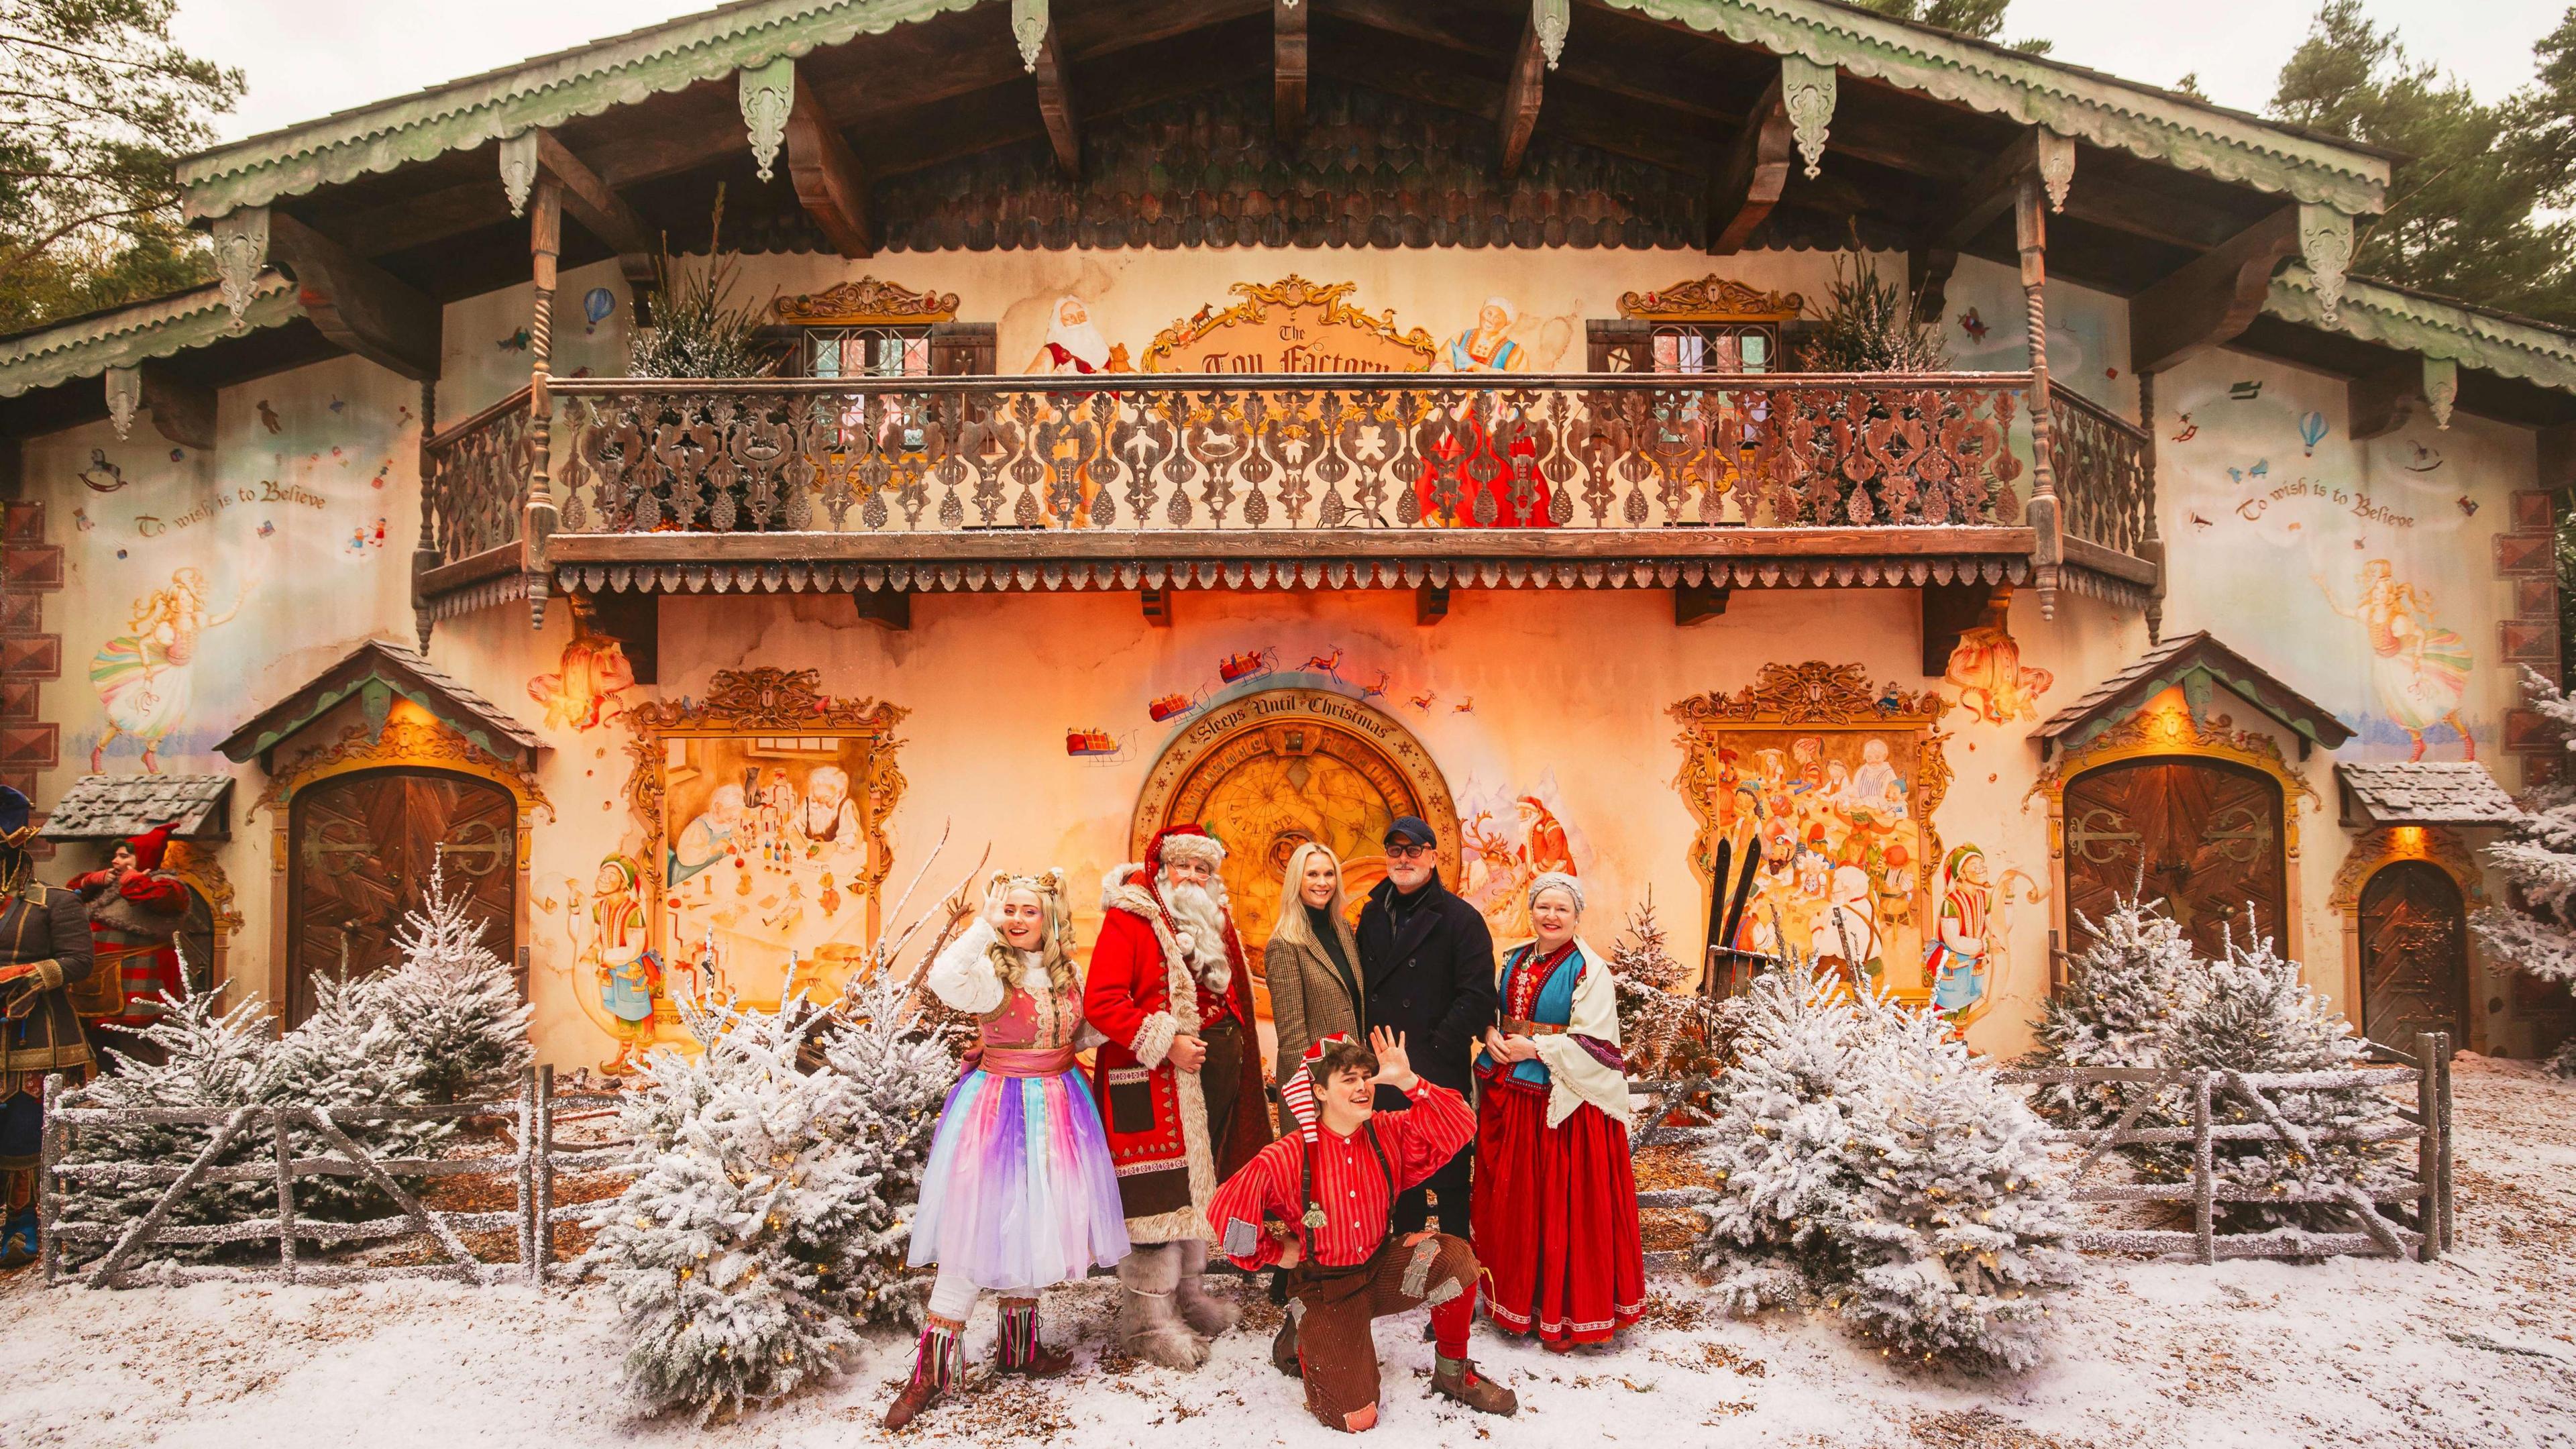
<point x="1051" y="883"/>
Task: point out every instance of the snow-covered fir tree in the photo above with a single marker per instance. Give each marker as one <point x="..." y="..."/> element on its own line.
<point x="2119" y="993"/>
<point x="773" y="1219"/>
<point x="2251" y="1013"/>
<point x="1867" y="1162"/>
<point x="2537" y="932"/>
<point x="443" y="1023"/>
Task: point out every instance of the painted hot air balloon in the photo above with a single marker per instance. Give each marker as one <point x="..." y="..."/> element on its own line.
<point x="2312" y="428"/>
<point x="596" y="304"/>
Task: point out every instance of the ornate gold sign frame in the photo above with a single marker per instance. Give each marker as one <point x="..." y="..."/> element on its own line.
<point x="866" y="302"/>
<point x="759" y="702"/>
<point x="1712" y="299"/>
<point x="1290" y="291"/>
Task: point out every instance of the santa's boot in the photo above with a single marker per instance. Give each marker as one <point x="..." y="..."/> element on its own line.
<point x="1456" y="1378"/>
<point x="934" y="1370"/>
<point x="1148" y="1325"/>
<point x="1021" y="1351"/>
<point x="1207" y="1315"/>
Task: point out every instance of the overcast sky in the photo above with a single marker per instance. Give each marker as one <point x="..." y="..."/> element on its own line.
<point x="306" y="58"/>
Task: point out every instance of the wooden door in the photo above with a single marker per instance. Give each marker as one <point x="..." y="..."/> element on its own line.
<point x="2201" y="835"/>
<point x="2414" y="955"/>
<point x="363" y="846"/>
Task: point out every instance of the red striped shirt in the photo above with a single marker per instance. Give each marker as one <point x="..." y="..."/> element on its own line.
<point x="1350" y="1185"/>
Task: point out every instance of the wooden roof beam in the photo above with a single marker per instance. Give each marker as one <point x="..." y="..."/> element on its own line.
<point x="355" y="303"/>
<point x="830" y="184"/>
<point x="2212" y="300"/>
<point x="1035" y="30"/>
<point x="588" y="199"/>
<point x="1748" y="183"/>
<point x="1521" y="94"/>
<point x="1288" y="69"/>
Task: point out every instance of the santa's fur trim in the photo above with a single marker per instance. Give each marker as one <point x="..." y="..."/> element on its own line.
<point x="1153" y="1040"/>
<point x="1206" y="849"/>
<point x="1121" y="891"/>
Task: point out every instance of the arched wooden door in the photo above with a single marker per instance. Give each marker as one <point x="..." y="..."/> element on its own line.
<point x="2205" y="836"/>
<point x="2414" y="955"/>
<point x="363" y="846"/>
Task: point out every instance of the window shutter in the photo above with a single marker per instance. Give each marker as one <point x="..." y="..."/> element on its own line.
<point x="1618" y="344"/>
<point x="962" y="349"/>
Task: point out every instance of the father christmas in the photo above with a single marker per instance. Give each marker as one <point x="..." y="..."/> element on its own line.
<point x="1178" y="1079"/>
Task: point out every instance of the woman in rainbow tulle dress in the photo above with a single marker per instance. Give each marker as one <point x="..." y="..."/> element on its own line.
<point x="1019" y="1193"/>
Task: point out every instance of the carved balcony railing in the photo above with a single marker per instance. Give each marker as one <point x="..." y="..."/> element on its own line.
<point x="478" y="481"/>
<point x="2104" y="490"/>
<point x="1168" y="453"/>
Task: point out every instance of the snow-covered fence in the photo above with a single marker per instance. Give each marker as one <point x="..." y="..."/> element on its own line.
<point x="1671" y="1111"/>
<point x="2424" y="1198"/>
<point x="536" y="1160"/>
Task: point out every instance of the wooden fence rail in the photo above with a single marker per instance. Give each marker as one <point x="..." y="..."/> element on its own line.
<point x="1670" y="1113"/>
<point x="536" y="1159"/>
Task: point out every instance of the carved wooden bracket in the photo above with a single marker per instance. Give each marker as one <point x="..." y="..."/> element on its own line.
<point x="1288" y="47"/>
<point x="1756" y="170"/>
<point x="2212" y="300"/>
<point x="357" y="304"/>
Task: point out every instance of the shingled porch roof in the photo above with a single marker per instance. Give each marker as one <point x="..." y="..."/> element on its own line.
<point x="2197" y="663"/>
<point x="376" y="673"/>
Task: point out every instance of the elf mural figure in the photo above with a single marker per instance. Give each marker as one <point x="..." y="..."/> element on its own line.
<point x="627" y="972"/>
<point x="44" y="953"/>
<point x="136" y="910"/>
<point x="1319" y="1204"/>
<point x="1956" y="962"/>
<point x="1178" y="1076"/>
<point x="1019" y="1192"/>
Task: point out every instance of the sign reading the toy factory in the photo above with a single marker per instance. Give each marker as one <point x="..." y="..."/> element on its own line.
<point x="1290" y="326"/>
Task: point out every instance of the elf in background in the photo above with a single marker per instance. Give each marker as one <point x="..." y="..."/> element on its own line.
<point x="44" y="951"/>
<point x="1320" y="1205"/>
<point x="135" y="912"/>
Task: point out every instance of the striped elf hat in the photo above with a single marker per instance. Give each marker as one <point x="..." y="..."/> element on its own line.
<point x="1299" y="1090"/>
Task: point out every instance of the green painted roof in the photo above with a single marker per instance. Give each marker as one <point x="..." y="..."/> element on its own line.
<point x="2071" y="100"/>
<point x="2411" y="321"/>
<point x="121" y="337"/>
<point x="549" y="90"/>
<point x="545" y="91"/>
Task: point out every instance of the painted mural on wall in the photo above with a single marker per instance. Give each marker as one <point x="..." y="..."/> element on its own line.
<point x="1994" y="685"/>
<point x="587" y="688"/>
<point x="144" y="676"/>
<point x="1831" y="783"/>
<point x="1509" y="837"/>
<point x="755" y="859"/>
<point x="2385" y="554"/>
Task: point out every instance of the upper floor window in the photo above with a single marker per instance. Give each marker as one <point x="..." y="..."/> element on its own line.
<point x="889" y="351"/>
<point x="869" y="328"/>
<point x="1712" y="325"/>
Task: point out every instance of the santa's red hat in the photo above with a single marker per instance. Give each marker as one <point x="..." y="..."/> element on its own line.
<point x="1183" y="842"/>
<point x="149" y="847"/>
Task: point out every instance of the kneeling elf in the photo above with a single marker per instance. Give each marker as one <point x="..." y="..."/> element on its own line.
<point x="1319" y="1205"/>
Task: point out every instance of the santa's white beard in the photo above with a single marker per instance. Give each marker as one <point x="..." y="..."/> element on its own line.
<point x="1199" y="922"/>
<point x="1083" y="340"/>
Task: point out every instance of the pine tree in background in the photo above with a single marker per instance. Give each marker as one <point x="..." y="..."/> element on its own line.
<point x="454" y="1002"/>
<point x="2251" y="1013"/>
<point x="1666" y="1028"/>
<point x="772" y="1223"/>
<point x="2118" y="995"/>
<point x="2537" y="932"/>
<point x="1866" y="1161"/>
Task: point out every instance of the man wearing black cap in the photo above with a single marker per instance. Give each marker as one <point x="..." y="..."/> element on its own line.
<point x="1429" y="963"/>
<point x="44" y="949"/>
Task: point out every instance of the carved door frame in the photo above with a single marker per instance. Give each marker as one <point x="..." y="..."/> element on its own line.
<point x="2166" y="727"/>
<point x="2374" y="851"/>
<point x="411" y="739"/>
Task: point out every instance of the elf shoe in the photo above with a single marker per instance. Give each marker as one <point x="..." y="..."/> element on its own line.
<point x="1456" y="1378"/>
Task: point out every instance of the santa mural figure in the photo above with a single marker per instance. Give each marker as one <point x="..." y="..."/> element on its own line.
<point x="1178" y="1080"/>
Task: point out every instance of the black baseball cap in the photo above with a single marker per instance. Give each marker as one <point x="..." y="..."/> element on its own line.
<point x="1409" y="828"/>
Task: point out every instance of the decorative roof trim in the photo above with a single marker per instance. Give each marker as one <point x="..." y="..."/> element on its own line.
<point x="161" y="327"/>
<point x="375" y="672"/>
<point x="2087" y="105"/>
<point x="2199" y="665"/>
<point x="546" y="91"/>
<point x="552" y="89"/>
<point x="2413" y="322"/>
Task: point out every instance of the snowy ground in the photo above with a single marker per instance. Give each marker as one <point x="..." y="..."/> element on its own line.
<point x="2478" y="1349"/>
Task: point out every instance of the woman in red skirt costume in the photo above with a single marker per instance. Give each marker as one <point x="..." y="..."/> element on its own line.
<point x="1555" y="1206"/>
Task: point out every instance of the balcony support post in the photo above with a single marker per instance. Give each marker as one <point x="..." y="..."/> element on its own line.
<point x="1430" y="603"/>
<point x="1288" y="70"/>
<point x="2152" y="547"/>
<point x="545" y="243"/>
<point x="2030" y="233"/>
<point x="1158" y="607"/>
<point x="424" y="554"/>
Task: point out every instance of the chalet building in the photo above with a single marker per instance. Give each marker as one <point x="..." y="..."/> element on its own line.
<point x="1286" y="415"/>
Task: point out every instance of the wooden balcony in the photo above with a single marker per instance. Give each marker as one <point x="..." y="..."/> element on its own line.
<point x="1163" y="480"/>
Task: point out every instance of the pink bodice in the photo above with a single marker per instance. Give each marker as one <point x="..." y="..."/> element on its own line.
<point x="1033" y="1021"/>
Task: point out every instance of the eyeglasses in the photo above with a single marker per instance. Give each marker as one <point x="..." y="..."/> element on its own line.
<point x="1407" y="852"/>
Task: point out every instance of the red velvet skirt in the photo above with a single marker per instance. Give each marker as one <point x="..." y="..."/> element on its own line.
<point x="1555" y="1215"/>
